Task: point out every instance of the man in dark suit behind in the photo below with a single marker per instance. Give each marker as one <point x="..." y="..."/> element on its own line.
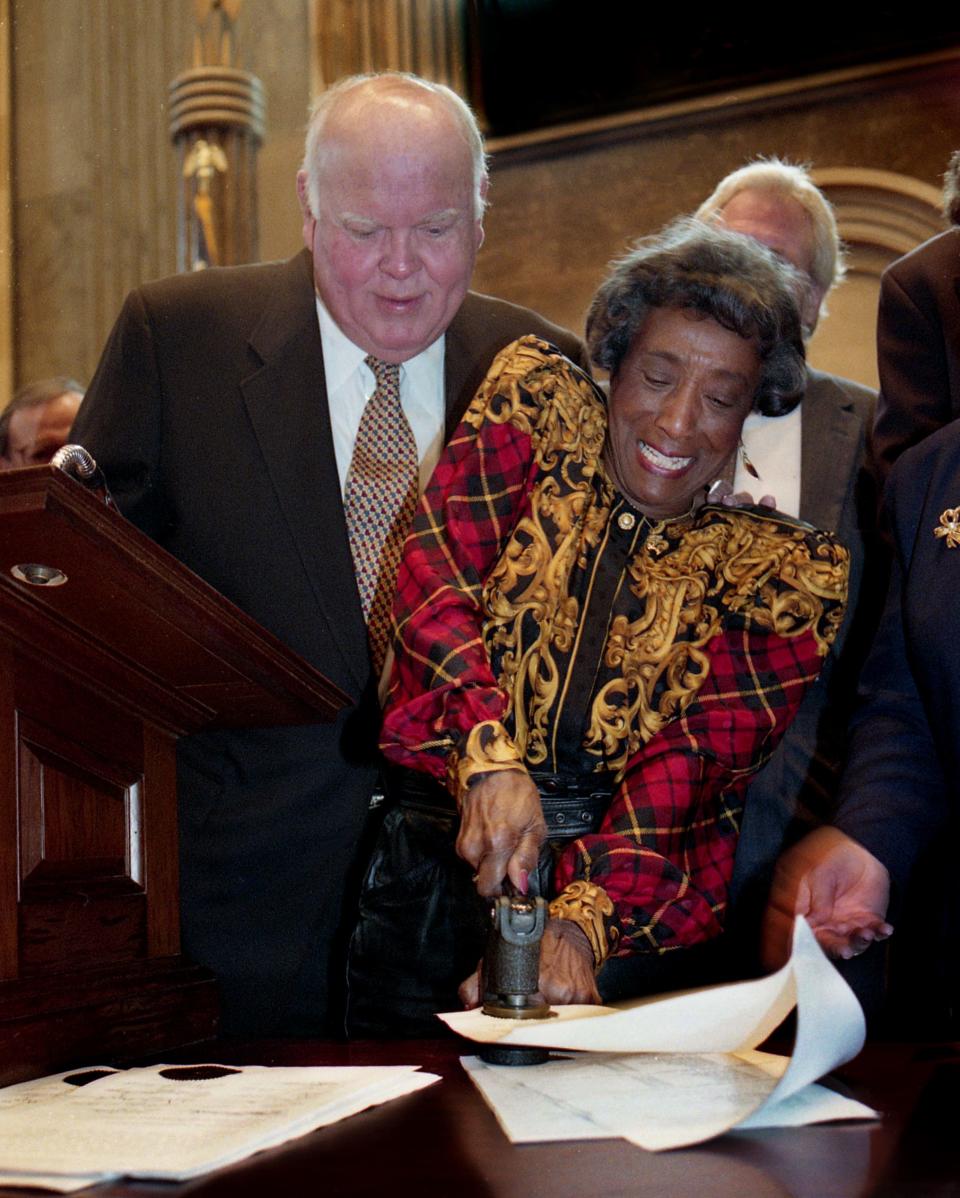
<point x="814" y="463"/>
<point x="225" y="413"/>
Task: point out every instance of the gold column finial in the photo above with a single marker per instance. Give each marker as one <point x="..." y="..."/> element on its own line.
<point x="215" y="41"/>
<point x="216" y="122"/>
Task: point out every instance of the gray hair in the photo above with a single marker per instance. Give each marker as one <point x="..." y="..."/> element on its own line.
<point x="732" y="279"/>
<point x="34" y="395"/>
<point x="396" y="81"/>
<point x="951" y="189"/>
<point x="791" y="180"/>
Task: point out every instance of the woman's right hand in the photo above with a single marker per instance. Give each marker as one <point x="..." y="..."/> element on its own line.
<point x="566" y="969"/>
<point x="501" y="830"/>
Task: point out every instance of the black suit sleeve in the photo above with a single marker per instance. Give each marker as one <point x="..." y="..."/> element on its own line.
<point x="120" y="421"/>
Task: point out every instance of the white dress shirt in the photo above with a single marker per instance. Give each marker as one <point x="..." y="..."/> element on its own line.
<point x="773" y="445"/>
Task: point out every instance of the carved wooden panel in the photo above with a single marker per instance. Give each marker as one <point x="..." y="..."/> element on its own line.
<point x="81" y="854"/>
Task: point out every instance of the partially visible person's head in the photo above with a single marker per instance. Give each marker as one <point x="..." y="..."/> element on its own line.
<point x="951" y="189"/>
<point x="37" y="421"/>
<point x="696" y="326"/>
<point x="392" y="190"/>
<point x="778" y="204"/>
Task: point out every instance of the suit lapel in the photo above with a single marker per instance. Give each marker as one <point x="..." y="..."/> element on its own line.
<point x="472" y="342"/>
<point x="830" y="448"/>
<point x="458" y="367"/>
<point x="287" y="405"/>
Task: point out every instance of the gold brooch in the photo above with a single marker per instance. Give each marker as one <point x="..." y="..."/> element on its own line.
<point x="949" y="527"/>
<point x="657" y="544"/>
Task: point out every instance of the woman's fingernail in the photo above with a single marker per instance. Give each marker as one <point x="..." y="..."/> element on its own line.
<point x="524" y="881"/>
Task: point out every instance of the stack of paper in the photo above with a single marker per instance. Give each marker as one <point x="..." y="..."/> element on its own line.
<point x="174" y="1122"/>
<point x="667" y="1072"/>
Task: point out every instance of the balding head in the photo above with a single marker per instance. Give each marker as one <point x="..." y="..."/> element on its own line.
<point x="359" y="101"/>
<point x="777" y="204"/>
<point x="392" y="201"/>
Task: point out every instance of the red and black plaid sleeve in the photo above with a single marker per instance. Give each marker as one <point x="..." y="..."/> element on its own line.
<point x="442" y="685"/>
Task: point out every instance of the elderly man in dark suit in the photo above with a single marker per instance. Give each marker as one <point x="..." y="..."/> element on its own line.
<point x="918" y="337"/>
<point x="247" y="419"/>
<point x="814" y="464"/>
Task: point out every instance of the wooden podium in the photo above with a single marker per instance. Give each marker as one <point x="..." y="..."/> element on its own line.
<point x="110" y="650"/>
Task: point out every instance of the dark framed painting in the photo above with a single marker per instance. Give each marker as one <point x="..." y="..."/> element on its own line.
<point x="536" y="63"/>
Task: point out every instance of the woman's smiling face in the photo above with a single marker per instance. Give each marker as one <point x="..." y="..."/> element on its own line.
<point x="677" y="404"/>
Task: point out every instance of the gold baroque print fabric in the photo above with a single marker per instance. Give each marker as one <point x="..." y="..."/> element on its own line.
<point x="683" y="583"/>
<point x="543" y="623"/>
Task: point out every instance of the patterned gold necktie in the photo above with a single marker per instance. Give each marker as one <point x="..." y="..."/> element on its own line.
<point x="381" y="495"/>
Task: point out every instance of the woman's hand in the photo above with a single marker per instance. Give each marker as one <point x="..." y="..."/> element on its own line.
<point x="566" y="964"/>
<point x="566" y="968"/>
<point x="501" y="830"/>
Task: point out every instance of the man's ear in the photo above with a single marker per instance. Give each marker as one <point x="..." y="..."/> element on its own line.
<point x="302" y="193"/>
<point x="484" y="188"/>
<point x="813" y="297"/>
<point x="309" y="220"/>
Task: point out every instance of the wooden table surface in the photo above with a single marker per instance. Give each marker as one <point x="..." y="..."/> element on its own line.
<point x="444" y="1141"/>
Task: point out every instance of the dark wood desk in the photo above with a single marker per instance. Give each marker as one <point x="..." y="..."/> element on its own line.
<point x="444" y="1141"/>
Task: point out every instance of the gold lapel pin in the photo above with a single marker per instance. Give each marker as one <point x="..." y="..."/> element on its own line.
<point x="949" y="527"/>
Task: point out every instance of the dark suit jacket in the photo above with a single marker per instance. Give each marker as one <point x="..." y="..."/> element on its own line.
<point x="208" y="414"/>
<point x="918" y="347"/>
<point x="903" y="773"/>
<point x="798" y="785"/>
<point x="902" y="782"/>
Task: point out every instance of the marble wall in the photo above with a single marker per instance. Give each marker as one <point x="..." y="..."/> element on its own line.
<point x="560" y="211"/>
<point x="93" y="178"/>
<point x="93" y="181"/>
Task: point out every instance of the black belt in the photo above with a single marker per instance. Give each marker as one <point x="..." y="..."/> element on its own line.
<point x="572" y="806"/>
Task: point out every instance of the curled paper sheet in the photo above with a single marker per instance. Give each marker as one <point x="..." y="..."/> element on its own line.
<point x="680" y="1069"/>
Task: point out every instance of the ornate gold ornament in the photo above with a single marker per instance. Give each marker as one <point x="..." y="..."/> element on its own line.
<point x="949" y="527"/>
<point x="589" y="907"/>
<point x="488" y="750"/>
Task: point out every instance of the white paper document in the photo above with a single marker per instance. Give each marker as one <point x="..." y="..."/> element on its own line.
<point x="672" y="1071"/>
<point x="174" y="1122"/>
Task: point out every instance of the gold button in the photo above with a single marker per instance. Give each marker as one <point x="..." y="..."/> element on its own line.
<point x="626" y="521"/>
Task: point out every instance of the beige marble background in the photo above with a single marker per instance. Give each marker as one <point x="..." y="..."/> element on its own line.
<point x="92" y="180"/>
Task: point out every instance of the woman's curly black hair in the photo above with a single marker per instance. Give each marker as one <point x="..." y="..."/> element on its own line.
<point x="729" y="277"/>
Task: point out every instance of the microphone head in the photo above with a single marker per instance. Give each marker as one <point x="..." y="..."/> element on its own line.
<point x="75" y="461"/>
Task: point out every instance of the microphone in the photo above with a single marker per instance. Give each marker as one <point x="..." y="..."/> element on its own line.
<point x="81" y="465"/>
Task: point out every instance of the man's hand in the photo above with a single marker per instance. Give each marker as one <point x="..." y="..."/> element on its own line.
<point x="723" y="493"/>
<point x="566" y="968"/>
<point x="841" y="889"/>
<point x="501" y="830"/>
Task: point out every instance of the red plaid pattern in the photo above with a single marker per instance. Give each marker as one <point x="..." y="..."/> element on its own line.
<point x="665" y="849"/>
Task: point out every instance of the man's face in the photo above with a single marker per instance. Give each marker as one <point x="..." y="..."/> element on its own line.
<point x="396" y="236"/>
<point x="35" y="434"/>
<point x="783" y="226"/>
